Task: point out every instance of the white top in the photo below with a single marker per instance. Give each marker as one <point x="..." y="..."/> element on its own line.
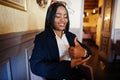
<point x="63" y="46"/>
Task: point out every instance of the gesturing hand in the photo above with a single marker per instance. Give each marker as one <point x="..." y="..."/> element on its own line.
<point x="78" y="61"/>
<point x="77" y="51"/>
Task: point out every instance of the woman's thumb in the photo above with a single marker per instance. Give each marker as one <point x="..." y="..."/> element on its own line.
<point x="76" y="41"/>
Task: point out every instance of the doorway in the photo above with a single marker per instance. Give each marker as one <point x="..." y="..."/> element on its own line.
<point x="90" y="20"/>
<point x="106" y="30"/>
<point x="102" y="17"/>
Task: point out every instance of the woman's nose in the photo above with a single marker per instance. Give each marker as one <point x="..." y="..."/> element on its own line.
<point x="62" y="19"/>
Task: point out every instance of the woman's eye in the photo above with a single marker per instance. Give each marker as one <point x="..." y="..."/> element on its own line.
<point x="57" y="16"/>
<point x="61" y="16"/>
<point x="65" y="16"/>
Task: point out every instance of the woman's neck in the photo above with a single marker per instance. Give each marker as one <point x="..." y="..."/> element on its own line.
<point x="59" y="33"/>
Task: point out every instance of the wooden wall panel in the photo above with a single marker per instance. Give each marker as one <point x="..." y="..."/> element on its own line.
<point x="15" y="50"/>
<point x="5" y="71"/>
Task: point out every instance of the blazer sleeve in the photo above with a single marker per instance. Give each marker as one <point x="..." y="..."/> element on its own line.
<point x="71" y="38"/>
<point x="89" y="52"/>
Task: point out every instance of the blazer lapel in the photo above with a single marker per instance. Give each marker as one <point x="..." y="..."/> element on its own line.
<point x="70" y="39"/>
<point x="52" y="45"/>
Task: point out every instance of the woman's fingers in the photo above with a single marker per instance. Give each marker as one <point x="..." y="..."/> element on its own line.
<point x="78" y="61"/>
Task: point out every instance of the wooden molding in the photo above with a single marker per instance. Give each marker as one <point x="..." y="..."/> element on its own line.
<point x="13" y="39"/>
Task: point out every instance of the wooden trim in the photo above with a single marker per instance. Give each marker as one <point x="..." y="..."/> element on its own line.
<point x="12" y="44"/>
<point x="17" y="4"/>
<point x="16" y="38"/>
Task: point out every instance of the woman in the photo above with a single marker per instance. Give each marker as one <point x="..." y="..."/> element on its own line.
<point x="57" y="54"/>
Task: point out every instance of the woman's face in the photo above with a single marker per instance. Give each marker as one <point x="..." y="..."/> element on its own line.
<point x="61" y="19"/>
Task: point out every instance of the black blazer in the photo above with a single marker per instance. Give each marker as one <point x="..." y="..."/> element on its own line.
<point x="45" y="60"/>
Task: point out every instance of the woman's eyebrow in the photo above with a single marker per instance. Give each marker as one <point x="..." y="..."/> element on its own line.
<point x="61" y="13"/>
<point x="58" y="13"/>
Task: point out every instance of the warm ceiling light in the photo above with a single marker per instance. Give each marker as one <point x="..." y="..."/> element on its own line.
<point x="42" y="3"/>
<point x="87" y="14"/>
<point x="94" y="11"/>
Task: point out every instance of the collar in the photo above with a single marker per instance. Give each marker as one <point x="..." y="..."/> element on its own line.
<point x="63" y="33"/>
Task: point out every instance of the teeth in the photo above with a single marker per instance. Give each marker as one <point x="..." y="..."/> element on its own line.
<point x="62" y="24"/>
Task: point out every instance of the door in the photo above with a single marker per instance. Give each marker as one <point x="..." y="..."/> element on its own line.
<point x="105" y="42"/>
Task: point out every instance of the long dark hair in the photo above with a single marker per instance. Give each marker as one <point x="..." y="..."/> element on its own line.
<point x="50" y="16"/>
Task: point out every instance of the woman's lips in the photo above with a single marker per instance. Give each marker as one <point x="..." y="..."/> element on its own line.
<point x="62" y="24"/>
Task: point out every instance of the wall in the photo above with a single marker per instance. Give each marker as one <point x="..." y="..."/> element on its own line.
<point x="100" y="2"/>
<point x="14" y="20"/>
<point x="117" y="23"/>
<point x="76" y="18"/>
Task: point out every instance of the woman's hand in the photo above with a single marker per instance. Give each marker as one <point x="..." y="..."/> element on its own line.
<point x="78" y="61"/>
<point x="77" y="51"/>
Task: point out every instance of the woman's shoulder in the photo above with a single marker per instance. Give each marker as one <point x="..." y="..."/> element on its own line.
<point x="41" y="34"/>
<point x="45" y="33"/>
<point x="70" y="34"/>
<point x="40" y="37"/>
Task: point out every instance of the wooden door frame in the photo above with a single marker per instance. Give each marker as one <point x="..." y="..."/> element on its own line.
<point x="104" y="52"/>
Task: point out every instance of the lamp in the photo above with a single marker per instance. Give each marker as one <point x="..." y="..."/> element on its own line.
<point x="42" y="3"/>
<point x="95" y="11"/>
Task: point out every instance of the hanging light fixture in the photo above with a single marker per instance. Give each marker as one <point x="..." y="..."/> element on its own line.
<point x="42" y="3"/>
<point x="94" y="11"/>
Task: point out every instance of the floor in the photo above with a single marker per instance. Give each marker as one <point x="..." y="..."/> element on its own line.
<point x="101" y="72"/>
